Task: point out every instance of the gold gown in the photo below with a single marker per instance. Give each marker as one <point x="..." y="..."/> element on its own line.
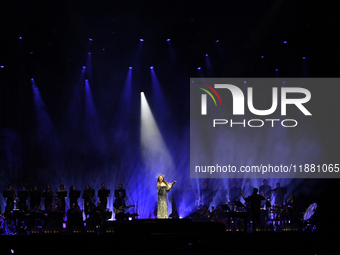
<point x="162" y="190"/>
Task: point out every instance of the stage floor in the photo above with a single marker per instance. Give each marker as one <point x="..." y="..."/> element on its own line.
<point x="170" y="237"/>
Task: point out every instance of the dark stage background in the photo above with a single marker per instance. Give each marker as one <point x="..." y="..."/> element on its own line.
<point x="63" y="123"/>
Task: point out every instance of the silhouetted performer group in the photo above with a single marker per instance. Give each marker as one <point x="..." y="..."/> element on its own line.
<point x="198" y="204"/>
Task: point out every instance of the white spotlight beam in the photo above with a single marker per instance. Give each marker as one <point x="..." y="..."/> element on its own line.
<point x="154" y="151"/>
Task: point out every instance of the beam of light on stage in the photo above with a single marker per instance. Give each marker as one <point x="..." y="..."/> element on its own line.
<point x="92" y="128"/>
<point x="161" y="108"/>
<point x="123" y="165"/>
<point x="154" y="151"/>
<point x="199" y="69"/>
<point x="208" y="66"/>
<point x="172" y="54"/>
<point x="11" y="159"/>
<point x="122" y="117"/>
<point x="89" y="67"/>
<point x="220" y="50"/>
<point x="155" y="155"/>
<point x="176" y="141"/>
<point x="73" y="116"/>
<point x="304" y="67"/>
<point x="137" y="59"/>
<point x="48" y="141"/>
<point x="74" y="139"/>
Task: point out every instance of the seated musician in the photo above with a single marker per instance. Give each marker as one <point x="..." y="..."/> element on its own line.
<point x="49" y="216"/>
<point x="204" y="213"/>
<point x="37" y="217"/>
<point x="99" y="214"/>
<point x="220" y="215"/>
<point x="74" y="217"/>
<point x="8" y="223"/>
<point x="119" y="206"/>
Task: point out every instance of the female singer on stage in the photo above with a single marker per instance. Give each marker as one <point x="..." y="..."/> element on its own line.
<point x="163" y="188"/>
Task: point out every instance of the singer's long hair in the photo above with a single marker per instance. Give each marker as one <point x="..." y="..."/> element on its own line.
<point x="160" y="182"/>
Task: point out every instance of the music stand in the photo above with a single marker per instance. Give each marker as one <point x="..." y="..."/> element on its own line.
<point x="88" y="193"/>
<point x="77" y="192"/>
<point x="61" y="194"/>
<point x="23" y="194"/>
<point x="103" y="192"/>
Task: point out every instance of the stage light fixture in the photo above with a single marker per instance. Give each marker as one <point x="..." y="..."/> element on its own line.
<point x="20" y="38"/>
<point x="90" y="39"/>
<point x="276" y="70"/>
<point x="199" y="68"/>
<point x="262" y="56"/>
<point x="142" y="40"/>
<point x="2" y="66"/>
<point x="206" y="55"/>
<point x="168" y="40"/>
<point x="151" y="67"/>
<point x="303" y="57"/>
<point x="284" y="41"/>
<point x="130" y="67"/>
<point x="217" y="40"/>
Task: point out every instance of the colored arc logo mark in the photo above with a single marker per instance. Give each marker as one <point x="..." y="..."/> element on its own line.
<point x="215" y="92"/>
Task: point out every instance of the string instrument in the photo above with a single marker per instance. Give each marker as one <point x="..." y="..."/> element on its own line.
<point x="121" y="209"/>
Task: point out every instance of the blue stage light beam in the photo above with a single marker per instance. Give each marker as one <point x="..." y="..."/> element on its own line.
<point x="48" y="139"/>
<point x="92" y="127"/>
<point x="208" y="66"/>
